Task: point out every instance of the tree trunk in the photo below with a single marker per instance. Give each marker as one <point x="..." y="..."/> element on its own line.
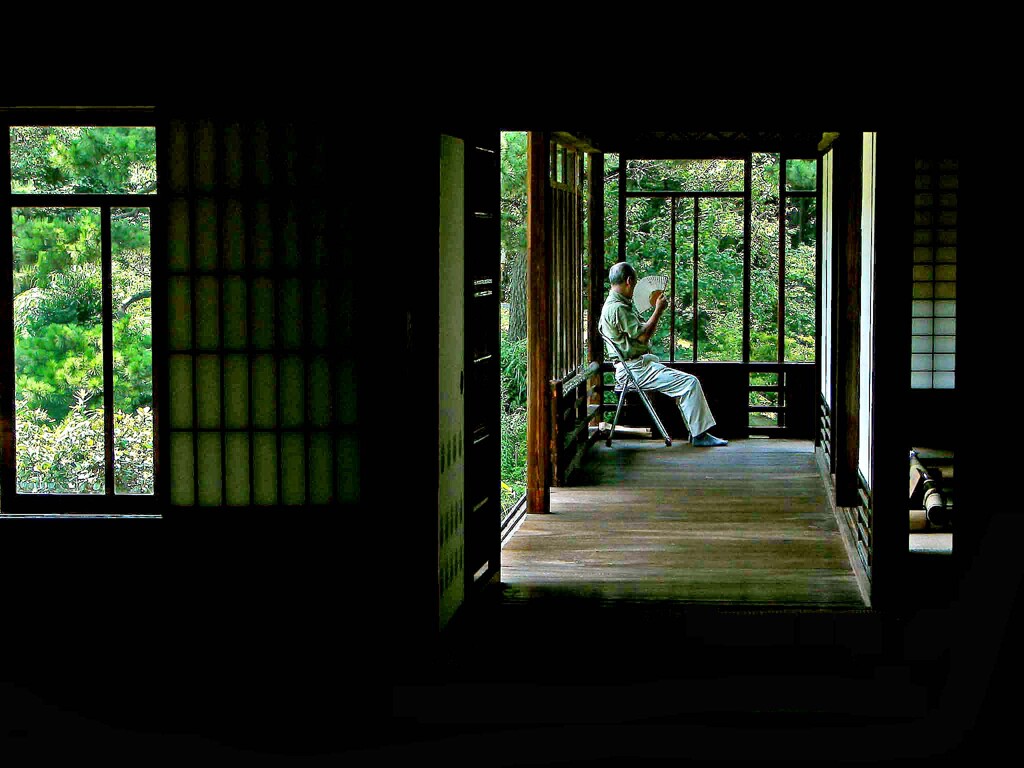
<point x="516" y="295"/>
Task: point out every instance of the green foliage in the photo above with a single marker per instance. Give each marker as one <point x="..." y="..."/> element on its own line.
<point x="72" y="296"/>
<point x="513" y="373"/>
<point x="513" y="420"/>
<point x="91" y="159"/>
<point x="513" y="457"/>
<point x="67" y="456"/>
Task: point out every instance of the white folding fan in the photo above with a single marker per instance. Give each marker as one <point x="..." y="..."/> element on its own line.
<point x="647" y="291"/>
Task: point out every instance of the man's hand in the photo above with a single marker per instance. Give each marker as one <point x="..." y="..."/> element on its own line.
<point x="652" y="322"/>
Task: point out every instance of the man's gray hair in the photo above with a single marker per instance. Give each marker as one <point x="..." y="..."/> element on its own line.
<point x="618" y="274"/>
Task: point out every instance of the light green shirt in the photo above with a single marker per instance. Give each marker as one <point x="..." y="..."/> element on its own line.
<point x="622" y="323"/>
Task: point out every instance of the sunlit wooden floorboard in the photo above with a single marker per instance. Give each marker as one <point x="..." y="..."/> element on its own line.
<point x="748" y="524"/>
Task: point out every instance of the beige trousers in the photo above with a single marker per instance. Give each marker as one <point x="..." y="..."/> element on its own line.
<point x="684" y="387"/>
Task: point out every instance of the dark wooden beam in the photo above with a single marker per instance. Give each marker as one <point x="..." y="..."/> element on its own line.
<point x="891" y="332"/>
<point x="538" y="323"/>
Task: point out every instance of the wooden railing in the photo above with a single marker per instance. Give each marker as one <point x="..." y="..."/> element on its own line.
<point x="825" y="430"/>
<point x="571" y="414"/>
<point x="858" y="520"/>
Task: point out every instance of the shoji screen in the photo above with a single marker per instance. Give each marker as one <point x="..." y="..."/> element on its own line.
<point x="933" y="344"/>
<point x="867" y="281"/>
<point x="259" y="397"/>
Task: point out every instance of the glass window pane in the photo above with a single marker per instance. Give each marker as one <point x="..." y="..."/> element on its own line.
<point x="264" y="390"/>
<point x="720" y="279"/>
<point x="236" y="391"/>
<point x="236" y="467"/>
<point x="263" y="237"/>
<point x="182" y="469"/>
<point x="921" y="380"/>
<point x="649" y="251"/>
<point x="234" y="232"/>
<point x="945" y="309"/>
<point x="293" y="468"/>
<point x="180" y="395"/>
<point x="321" y="476"/>
<point x="320" y="392"/>
<point x="208" y="384"/>
<point x="346" y="455"/>
<point x="611" y="212"/>
<point x="764" y="258"/>
<point x="291" y="306"/>
<point x="83" y="159"/>
<point x="682" y="297"/>
<point x="235" y="312"/>
<point x="921" y="344"/>
<point x="207" y="313"/>
<point x="801" y="175"/>
<point x="945" y="380"/>
<point x="179" y="313"/>
<point x="717" y="175"/>
<point x="945" y="343"/>
<point x="921" y="362"/>
<point x="293" y="388"/>
<point x="210" y="482"/>
<point x="265" y="467"/>
<point x="263" y="323"/>
<point x="801" y="279"/>
<point x="206" y="256"/>
<point x="945" y="326"/>
<point x="58" y="334"/>
<point x="178" y="236"/>
<point x="945" y="362"/>
<point x="131" y="268"/>
<point x="921" y="325"/>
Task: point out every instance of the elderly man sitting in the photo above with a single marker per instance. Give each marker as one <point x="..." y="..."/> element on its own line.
<point x="623" y="324"/>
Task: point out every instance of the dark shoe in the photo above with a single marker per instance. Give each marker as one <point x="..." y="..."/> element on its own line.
<point x="707" y="440"/>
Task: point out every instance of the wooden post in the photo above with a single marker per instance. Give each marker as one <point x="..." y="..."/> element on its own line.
<point x="845" y="423"/>
<point x="538" y="322"/>
<point x="595" y="209"/>
<point x="891" y="332"/>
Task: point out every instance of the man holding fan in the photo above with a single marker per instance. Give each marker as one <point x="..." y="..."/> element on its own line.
<point x="622" y="323"/>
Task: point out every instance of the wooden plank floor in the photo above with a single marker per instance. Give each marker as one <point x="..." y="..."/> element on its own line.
<point x="748" y="524"/>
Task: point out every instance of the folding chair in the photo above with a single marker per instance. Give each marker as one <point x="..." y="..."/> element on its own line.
<point x="626" y="388"/>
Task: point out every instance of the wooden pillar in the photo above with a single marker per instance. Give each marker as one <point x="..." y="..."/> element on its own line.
<point x="891" y="332"/>
<point x="538" y="323"/>
<point x="595" y="291"/>
<point x="845" y="423"/>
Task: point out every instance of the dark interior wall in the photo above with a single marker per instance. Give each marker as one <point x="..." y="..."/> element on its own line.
<point x="260" y="625"/>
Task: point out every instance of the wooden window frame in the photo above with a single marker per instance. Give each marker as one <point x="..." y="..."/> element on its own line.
<point x="107" y="504"/>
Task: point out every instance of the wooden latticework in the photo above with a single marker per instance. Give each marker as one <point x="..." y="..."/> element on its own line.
<point x="566" y="245"/>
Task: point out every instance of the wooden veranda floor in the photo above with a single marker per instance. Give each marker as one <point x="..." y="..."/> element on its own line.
<point x="746" y="524"/>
